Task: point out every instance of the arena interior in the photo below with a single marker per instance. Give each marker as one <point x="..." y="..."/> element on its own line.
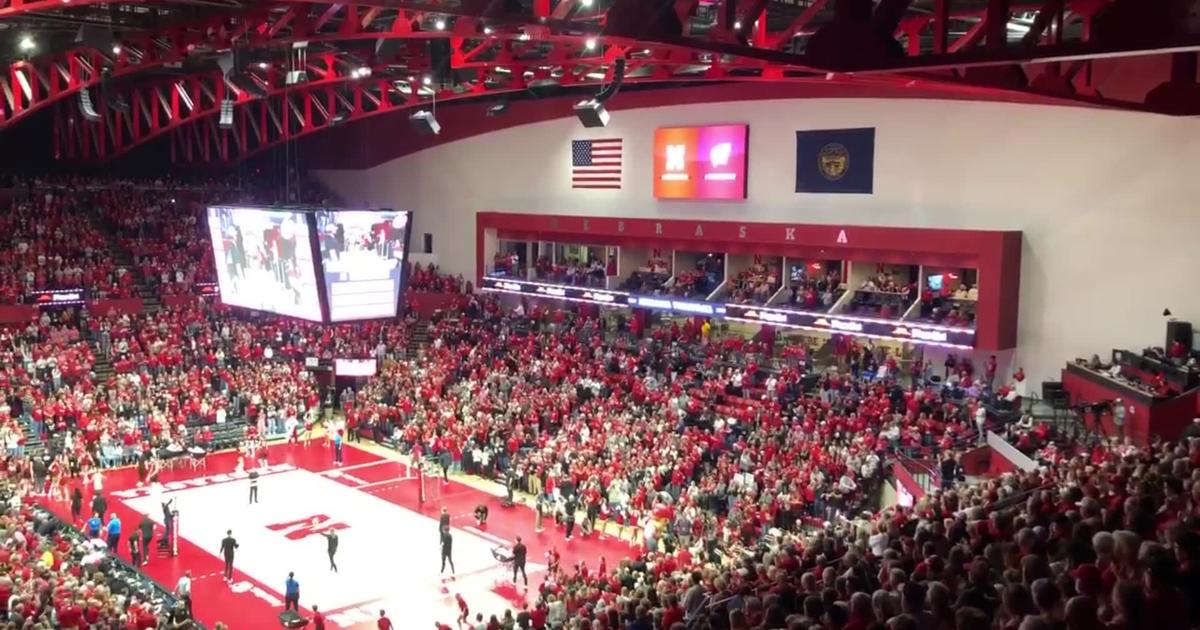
<point x="647" y="314"/>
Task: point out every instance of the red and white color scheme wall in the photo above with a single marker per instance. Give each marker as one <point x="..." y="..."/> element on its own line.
<point x="1106" y="235"/>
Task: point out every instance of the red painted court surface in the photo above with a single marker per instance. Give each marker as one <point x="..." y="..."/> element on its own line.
<point x="388" y="556"/>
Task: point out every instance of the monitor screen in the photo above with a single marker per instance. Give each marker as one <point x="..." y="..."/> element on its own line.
<point x="362" y="259"/>
<point x="264" y="260"/>
<point x="935" y="282"/>
<point x="354" y="367"/>
<point x="701" y="162"/>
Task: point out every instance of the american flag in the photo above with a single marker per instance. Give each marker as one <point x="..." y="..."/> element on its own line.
<point x="596" y="163"/>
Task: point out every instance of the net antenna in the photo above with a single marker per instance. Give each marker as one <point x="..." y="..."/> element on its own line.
<point x="428" y="488"/>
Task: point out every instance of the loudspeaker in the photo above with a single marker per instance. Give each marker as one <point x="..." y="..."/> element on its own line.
<point x="1050" y="389"/>
<point x="1178" y="331"/>
<point x="424" y="122"/>
<point x="592" y="113"/>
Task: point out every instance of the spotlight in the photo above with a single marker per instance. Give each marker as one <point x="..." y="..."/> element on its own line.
<point x="585" y="3"/>
<point x="86" y="107"/>
<point x="524" y="37"/>
<point x="737" y="26"/>
<point x="440" y="24"/>
<point x="592" y="113"/>
<point x="226" y="118"/>
<point x="262" y="65"/>
<point x="427" y="80"/>
<point x="590" y="43"/>
<point x="425" y="122"/>
<point x="26" y="44"/>
<point x="360" y="73"/>
<point x="116" y="49"/>
<point x="487" y="30"/>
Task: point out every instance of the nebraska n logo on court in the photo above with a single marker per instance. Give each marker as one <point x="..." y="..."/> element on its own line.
<point x="305" y="527"/>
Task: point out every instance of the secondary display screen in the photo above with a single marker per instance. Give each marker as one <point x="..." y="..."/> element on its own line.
<point x="264" y="260"/>
<point x="354" y="367"/>
<point x="701" y="162"/>
<point x="362" y="258"/>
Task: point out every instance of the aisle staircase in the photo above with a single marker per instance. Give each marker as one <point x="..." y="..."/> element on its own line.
<point x="418" y="338"/>
<point x="103" y="368"/>
<point x="142" y="288"/>
<point x="33" y="442"/>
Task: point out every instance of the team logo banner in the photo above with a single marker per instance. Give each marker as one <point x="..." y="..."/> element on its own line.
<point x="835" y="161"/>
<point x="700" y="162"/>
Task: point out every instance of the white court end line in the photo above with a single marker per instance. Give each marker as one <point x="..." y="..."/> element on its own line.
<point x="338" y="469"/>
<point x="358" y="480"/>
<point x="386" y="482"/>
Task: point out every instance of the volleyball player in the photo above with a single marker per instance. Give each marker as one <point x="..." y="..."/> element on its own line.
<point x="447" y="551"/>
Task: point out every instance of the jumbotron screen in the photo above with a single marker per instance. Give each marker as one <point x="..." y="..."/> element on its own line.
<point x="264" y="260"/>
<point x="362" y="257"/>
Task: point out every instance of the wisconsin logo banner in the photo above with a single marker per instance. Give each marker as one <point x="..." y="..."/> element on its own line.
<point x="835" y="161"/>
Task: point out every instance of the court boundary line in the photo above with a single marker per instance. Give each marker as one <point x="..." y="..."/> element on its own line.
<point x="381" y="460"/>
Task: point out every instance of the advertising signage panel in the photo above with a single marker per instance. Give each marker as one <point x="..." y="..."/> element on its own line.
<point x="835" y="324"/>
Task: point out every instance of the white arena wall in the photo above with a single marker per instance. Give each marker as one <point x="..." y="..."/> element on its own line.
<point x="1106" y="200"/>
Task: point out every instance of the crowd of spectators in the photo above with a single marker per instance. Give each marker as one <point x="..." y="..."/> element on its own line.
<point x="53" y="242"/>
<point x="756" y="284"/>
<point x="181" y="374"/>
<point x="648" y="279"/>
<point x="883" y="295"/>
<point x="592" y="272"/>
<point x="64" y="232"/>
<point x="1104" y="540"/>
<point x="508" y="265"/>
<point x="53" y="578"/>
<point x="164" y="238"/>
<point x="949" y="307"/>
<point x="685" y="440"/>
<point x="816" y="288"/>
<point x="702" y="279"/>
<point x="429" y="279"/>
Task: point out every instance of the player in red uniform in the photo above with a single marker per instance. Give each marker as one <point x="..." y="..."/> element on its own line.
<point x="463" y="611"/>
